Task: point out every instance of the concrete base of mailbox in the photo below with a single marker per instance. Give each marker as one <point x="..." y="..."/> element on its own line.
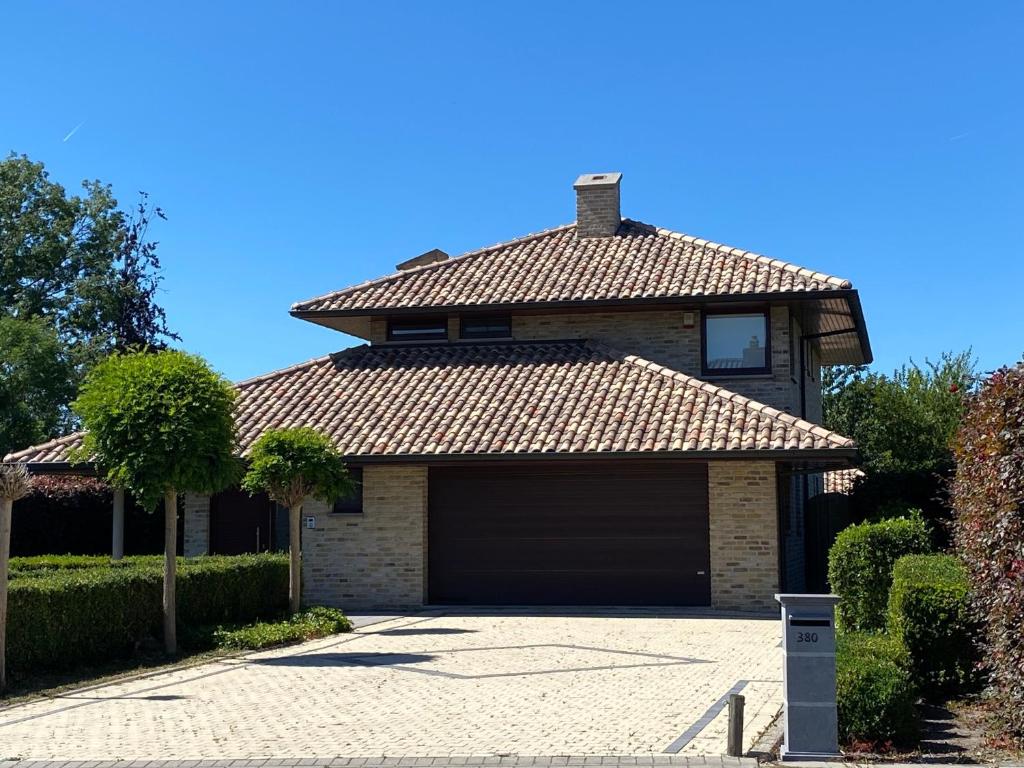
<point x="809" y="678"/>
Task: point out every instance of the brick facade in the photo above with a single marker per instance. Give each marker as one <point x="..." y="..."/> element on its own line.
<point x="196" y="519"/>
<point x="662" y="337"/>
<point x="743" y="511"/>
<point x="376" y="559"/>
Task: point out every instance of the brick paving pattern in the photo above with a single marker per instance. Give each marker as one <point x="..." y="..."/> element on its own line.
<point x="437" y="685"/>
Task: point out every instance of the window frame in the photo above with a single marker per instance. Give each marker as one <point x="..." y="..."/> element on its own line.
<point x="505" y="319"/>
<point x="766" y="370"/>
<point x="356" y="473"/>
<point x="440" y="320"/>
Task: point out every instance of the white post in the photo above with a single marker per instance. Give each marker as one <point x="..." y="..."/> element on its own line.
<point x="117" y="545"/>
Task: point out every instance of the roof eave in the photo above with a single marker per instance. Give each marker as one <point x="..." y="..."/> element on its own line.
<point x="842" y="455"/>
<point x="681" y="301"/>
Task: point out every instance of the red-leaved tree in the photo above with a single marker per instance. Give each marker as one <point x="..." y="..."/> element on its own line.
<point x="988" y="498"/>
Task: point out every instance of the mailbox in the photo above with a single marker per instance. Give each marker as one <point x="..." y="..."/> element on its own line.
<point x="809" y="677"/>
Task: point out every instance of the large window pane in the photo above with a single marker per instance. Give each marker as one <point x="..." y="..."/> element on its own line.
<point x="736" y="342"/>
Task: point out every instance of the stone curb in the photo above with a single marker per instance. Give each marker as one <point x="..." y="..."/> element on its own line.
<point x="491" y="761"/>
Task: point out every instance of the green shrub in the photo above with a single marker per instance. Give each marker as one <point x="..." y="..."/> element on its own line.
<point x="62" y="618"/>
<point x="860" y="568"/>
<point x="930" y="614"/>
<point x="875" y="692"/>
<point x="309" y="624"/>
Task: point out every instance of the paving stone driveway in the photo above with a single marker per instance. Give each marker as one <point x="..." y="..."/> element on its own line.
<point x="434" y="684"/>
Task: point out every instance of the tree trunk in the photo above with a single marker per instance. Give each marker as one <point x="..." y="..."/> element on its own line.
<point x="295" y="557"/>
<point x="117" y="535"/>
<point x="170" y="570"/>
<point x="5" y="555"/>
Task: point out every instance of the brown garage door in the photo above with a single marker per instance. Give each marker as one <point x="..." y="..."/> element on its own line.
<point x="569" y="535"/>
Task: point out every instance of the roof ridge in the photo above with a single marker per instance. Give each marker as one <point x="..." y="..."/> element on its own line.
<point x="729" y="250"/>
<point x="436" y="265"/>
<point x="722" y="392"/>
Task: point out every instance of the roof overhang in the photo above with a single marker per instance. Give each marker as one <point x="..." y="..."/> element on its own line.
<point x="829" y="314"/>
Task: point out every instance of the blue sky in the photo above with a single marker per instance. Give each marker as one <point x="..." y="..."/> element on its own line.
<point x="299" y="148"/>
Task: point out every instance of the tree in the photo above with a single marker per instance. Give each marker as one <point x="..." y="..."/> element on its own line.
<point x="988" y="496"/>
<point x="36" y="376"/>
<point x="82" y="267"/>
<point x="15" y="483"/>
<point x="291" y="465"/>
<point x="159" y="424"/>
<point x="904" y="425"/>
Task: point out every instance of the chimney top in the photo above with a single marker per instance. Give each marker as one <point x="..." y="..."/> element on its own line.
<point x="430" y="257"/>
<point x="597" y="204"/>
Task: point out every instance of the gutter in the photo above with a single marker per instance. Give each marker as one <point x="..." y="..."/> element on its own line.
<point x="841" y="457"/>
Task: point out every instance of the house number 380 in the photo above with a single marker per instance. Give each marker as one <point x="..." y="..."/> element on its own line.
<point x="807" y="637"/>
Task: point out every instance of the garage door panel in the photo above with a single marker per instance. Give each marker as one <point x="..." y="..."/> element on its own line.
<point x="633" y="552"/>
<point x="612" y="534"/>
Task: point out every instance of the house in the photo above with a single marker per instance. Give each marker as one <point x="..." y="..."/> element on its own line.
<point x="601" y="413"/>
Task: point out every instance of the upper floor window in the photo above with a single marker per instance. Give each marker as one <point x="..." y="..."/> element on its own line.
<point x="418" y="329"/>
<point x="735" y="343"/>
<point x="486" y="327"/>
<point x="351" y="505"/>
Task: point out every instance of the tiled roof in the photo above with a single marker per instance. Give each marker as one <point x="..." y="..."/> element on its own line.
<point x="841" y="480"/>
<point x="562" y="397"/>
<point x="639" y="262"/>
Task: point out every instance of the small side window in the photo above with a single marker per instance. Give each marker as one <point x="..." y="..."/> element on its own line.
<point x="486" y="327"/>
<point x="351" y="505"/>
<point x="418" y="329"/>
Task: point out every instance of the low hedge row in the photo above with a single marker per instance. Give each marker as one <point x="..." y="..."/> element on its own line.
<point x="860" y="567"/>
<point x="43" y="564"/>
<point x="930" y="615"/>
<point x="62" y="618"/>
<point x="875" y="690"/>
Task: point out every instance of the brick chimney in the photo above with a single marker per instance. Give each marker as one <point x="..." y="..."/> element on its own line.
<point x="597" y="204"/>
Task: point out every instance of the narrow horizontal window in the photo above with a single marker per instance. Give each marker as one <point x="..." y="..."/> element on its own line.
<point x="421" y="329"/>
<point x="351" y="505"/>
<point x="486" y="327"/>
<point x="736" y="343"/>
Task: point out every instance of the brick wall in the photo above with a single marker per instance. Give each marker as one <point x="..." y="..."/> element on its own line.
<point x="660" y="336"/>
<point x="376" y="559"/>
<point x="744" y="535"/>
<point x="196" y="518"/>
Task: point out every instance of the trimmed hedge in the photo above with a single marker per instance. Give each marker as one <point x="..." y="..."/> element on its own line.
<point x="59" y="619"/>
<point x="930" y="614"/>
<point x="875" y="691"/>
<point x="41" y="564"/>
<point x="860" y="568"/>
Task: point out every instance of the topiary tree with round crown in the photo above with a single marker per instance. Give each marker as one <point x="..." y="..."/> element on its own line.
<point x="291" y="465"/>
<point x="15" y="483"/>
<point x="158" y="424"/>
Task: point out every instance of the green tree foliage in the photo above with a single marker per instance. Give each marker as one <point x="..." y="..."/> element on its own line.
<point x="159" y="424"/>
<point x="988" y="495"/>
<point x="904" y="425"/>
<point x="82" y="267"/>
<point x="904" y="421"/>
<point x="291" y="465"/>
<point x="36" y="378"/>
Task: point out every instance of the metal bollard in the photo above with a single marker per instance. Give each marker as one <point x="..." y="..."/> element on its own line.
<point x="735" y="744"/>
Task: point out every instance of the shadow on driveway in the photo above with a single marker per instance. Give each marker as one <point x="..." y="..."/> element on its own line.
<point x="345" y="659"/>
<point x="425" y="631"/>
